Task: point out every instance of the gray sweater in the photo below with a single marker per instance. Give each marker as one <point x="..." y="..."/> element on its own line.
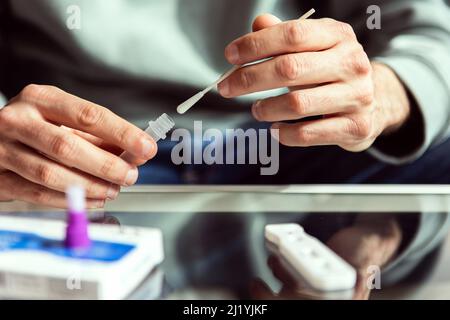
<point x="142" y="58"/>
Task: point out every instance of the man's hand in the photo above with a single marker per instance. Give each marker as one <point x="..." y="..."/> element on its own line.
<point x="328" y="74"/>
<point x="50" y="139"/>
<point x="373" y="241"/>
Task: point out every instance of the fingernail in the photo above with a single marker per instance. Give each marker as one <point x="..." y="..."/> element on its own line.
<point x="112" y="193"/>
<point x="97" y="204"/>
<point x="147" y="148"/>
<point x="224" y="88"/>
<point x="256" y="110"/>
<point x="232" y="53"/>
<point x="111" y="220"/>
<point x="131" y="178"/>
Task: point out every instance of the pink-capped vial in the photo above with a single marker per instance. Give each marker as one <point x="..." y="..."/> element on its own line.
<point x="77" y="236"/>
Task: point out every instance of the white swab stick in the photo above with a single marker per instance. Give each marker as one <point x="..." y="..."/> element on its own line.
<point x="308" y="14"/>
<point x="189" y="103"/>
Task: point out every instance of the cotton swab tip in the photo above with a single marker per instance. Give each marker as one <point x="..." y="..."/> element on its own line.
<point x="189" y="103"/>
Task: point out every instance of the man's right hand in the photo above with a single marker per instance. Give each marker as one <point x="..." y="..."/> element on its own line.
<point x="50" y="139"/>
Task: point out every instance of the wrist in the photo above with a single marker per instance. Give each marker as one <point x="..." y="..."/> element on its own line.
<point x="391" y="98"/>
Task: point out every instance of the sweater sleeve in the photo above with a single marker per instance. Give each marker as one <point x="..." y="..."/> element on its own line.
<point x="424" y="233"/>
<point x="418" y="51"/>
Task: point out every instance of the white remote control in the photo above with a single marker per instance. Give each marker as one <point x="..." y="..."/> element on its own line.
<point x="310" y="259"/>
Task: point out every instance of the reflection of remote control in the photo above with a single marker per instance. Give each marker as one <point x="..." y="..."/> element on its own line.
<point x="310" y="259"/>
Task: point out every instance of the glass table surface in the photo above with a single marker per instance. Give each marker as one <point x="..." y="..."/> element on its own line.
<point x="214" y="236"/>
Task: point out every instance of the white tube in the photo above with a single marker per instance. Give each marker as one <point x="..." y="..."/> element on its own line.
<point x="159" y="128"/>
<point x="76" y="199"/>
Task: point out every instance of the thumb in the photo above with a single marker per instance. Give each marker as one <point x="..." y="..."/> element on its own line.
<point x="264" y="21"/>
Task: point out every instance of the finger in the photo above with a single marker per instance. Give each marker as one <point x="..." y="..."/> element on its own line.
<point x="111" y="220"/>
<point x="40" y="170"/>
<point x="321" y="100"/>
<point x="95" y="141"/>
<point x="5" y="194"/>
<point x="287" y="37"/>
<point x="339" y="131"/>
<point x="63" y="108"/>
<point x="280" y="272"/>
<point x="126" y="156"/>
<point x="288" y="70"/>
<point x="264" y="21"/>
<point x="21" y="189"/>
<point x="361" y="290"/>
<point x="260" y="290"/>
<point x="73" y="151"/>
<point x="132" y="159"/>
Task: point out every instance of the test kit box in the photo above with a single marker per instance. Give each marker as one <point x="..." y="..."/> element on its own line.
<point x="35" y="263"/>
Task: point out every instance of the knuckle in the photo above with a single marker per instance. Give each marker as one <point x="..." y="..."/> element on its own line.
<point x="33" y="92"/>
<point x="40" y="196"/>
<point x="246" y="79"/>
<point x="44" y="174"/>
<point x="345" y="29"/>
<point x="8" y="117"/>
<point x="254" y="46"/>
<point x="303" y="136"/>
<point x="92" y="189"/>
<point x="90" y="115"/>
<point x="287" y="67"/>
<point x="10" y="158"/>
<point x="300" y="103"/>
<point x="124" y="135"/>
<point x="109" y="170"/>
<point x="63" y="147"/>
<point x="358" y="62"/>
<point x="294" y="33"/>
<point x="360" y="128"/>
<point x="262" y="112"/>
<point x="365" y="96"/>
